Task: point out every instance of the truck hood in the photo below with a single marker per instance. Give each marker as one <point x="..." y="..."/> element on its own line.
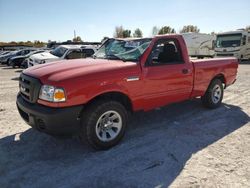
<point x="43" y="56"/>
<point x="68" y="69"/>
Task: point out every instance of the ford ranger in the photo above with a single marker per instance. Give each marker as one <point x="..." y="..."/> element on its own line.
<point x="93" y="97"/>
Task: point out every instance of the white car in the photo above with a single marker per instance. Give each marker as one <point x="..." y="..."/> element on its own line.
<point x="62" y="52"/>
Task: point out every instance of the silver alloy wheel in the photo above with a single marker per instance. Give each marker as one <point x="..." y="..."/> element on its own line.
<point x="108" y="126"/>
<point x="216" y="94"/>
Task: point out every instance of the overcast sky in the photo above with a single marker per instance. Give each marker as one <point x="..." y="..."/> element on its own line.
<point x="22" y="20"/>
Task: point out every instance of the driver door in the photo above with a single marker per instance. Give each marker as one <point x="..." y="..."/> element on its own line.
<point x="168" y="78"/>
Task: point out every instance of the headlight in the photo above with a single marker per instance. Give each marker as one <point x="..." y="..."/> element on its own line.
<point x="52" y="94"/>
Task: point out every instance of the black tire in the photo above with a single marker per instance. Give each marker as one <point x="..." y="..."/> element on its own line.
<point x="92" y="115"/>
<point x="8" y="62"/>
<point x="209" y="100"/>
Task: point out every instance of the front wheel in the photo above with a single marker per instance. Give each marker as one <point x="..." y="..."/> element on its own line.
<point x="214" y="94"/>
<point x="104" y="124"/>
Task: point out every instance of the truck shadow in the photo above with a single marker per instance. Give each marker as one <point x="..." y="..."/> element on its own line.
<point x="245" y="62"/>
<point x="154" y="152"/>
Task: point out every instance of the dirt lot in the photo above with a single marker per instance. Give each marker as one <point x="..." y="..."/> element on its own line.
<point x="182" y="145"/>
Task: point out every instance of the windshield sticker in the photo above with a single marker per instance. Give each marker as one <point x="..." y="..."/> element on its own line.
<point x="132" y="44"/>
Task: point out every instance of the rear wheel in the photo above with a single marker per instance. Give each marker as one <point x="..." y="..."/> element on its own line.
<point x="213" y="95"/>
<point x="104" y="124"/>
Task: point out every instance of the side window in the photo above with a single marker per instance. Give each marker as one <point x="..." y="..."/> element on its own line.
<point x="26" y="52"/>
<point x="244" y="40"/>
<point x="88" y="52"/>
<point x="74" y="54"/>
<point x="165" y="51"/>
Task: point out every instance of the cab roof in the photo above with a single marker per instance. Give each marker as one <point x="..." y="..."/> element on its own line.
<point x="76" y="46"/>
<point x="233" y="32"/>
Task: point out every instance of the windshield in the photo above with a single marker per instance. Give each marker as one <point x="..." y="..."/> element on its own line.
<point x="129" y="50"/>
<point x="59" y="51"/>
<point x="34" y="52"/>
<point x="232" y="40"/>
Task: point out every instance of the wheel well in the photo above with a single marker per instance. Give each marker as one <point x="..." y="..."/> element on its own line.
<point x="221" y="78"/>
<point x="116" y="96"/>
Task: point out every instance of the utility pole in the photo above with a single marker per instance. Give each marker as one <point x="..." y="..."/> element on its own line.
<point x="74" y="34"/>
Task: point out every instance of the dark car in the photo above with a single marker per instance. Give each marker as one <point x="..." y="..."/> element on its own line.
<point x="18" y="61"/>
<point x="5" y="58"/>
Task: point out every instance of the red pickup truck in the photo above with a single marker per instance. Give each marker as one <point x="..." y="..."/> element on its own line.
<point x="94" y="97"/>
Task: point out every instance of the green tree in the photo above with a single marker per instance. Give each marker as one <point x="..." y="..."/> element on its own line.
<point x="248" y="28"/>
<point x="138" y="33"/>
<point x="190" y="28"/>
<point x="77" y="39"/>
<point x="155" y="31"/>
<point x="126" y="33"/>
<point x="38" y="43"/>
<point x="13" y="43"/>
<point x="120" y="32"/>
<point x="166" y="30"/>
<point x="29" y="43"/>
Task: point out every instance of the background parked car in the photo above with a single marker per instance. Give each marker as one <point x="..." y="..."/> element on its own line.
<point x="4" y="52"/>
<point x="2" y="56"/>
<point x="18" y="60"/>
<point x="5" y="59"/>
<point x="62" y="52"/>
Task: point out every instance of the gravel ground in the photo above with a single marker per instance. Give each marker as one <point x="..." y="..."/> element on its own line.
<point x="182" y="145"/>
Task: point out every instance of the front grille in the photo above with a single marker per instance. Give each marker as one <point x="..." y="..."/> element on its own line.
<point x="29" y="88"/>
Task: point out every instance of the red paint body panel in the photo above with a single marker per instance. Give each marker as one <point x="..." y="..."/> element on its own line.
<point x="84" y="79"/>
<point x="210" y="68"/>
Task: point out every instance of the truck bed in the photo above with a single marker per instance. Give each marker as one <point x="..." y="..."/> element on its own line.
<point x="206" y="69"/>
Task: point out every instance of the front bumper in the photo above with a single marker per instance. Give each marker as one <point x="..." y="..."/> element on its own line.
<point x="54" y="121"/>
<point x="228" y="54"/>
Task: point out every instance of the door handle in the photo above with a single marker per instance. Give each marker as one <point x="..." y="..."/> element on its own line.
<point x="185" y="71"/>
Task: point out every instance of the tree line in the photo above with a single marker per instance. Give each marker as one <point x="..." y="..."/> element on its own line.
<point x="120" y="32"/>
<point x="35" y="43"/>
